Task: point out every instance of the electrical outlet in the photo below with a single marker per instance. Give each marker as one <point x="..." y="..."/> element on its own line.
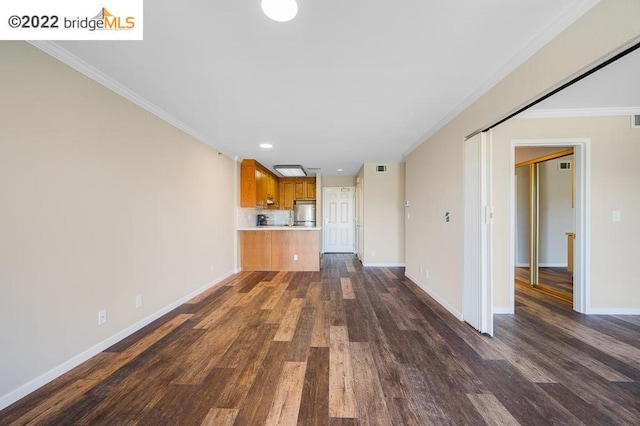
<point x="211" y="268"/>
<point x="139" y="301"/>
<point x="373" y="254"/>
<point x="426" y="273"/>
<point x="295" y="257"/>
<point x="102" y="316"/>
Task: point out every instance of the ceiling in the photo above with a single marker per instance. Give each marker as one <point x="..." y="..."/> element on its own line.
<point x="609" y="90"/>
<point x="345" y="82"/>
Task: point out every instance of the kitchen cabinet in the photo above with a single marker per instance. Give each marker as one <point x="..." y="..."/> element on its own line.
<point x="289" y="250"/>
<point x="258" y="185"/>
<point x="253" y="253"/>
<point x="292" y="189"/>
<point x="286" y="195"/>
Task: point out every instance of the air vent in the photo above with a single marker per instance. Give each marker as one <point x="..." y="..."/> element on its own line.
<point x="635" y="121"/>
<point x="564" y="165"/>
<point x="381" y="168"/>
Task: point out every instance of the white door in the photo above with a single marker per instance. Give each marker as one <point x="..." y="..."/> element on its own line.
<point x="476" y="302"/>
<point x="339" y="225"/>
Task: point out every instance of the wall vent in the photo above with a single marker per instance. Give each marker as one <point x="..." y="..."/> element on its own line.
<point x="564" y="165"/>
<point x="635" y="121"/>
<point x="381" y="168"/>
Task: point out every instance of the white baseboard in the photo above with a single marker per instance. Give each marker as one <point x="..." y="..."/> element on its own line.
<point x="503" y="311"/>
<point x="437" y="298"/>
<point x="70" y="364"/>
<point x="613" y="311"/>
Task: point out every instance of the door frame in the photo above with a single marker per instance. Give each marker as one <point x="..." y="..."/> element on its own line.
<point x="582" y="217"/>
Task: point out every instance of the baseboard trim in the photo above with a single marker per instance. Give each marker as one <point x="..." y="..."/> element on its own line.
<point x="437" y="298"/>
<point x="383" y="265"/>
<point x="70" y="364"/>
<point x="613" y="311"/>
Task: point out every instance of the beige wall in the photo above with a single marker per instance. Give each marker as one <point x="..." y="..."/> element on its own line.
<point x="435" y="169"/>
<point x="101" y="201"/>
<point x="335" y="181"/>
<point x="615" y="175"/>
<point x="383" y="214"/>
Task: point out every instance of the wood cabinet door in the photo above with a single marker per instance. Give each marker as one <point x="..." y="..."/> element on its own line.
<point x="298" y="192"/>
<point x="261" y="188"/>
<point x="248" y="194"/>
<point x="310" y="190"/>
<point x="286" y="195"/>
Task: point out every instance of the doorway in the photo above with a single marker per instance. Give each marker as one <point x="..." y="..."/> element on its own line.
<point x="544" y="219"/>
<point x="339" y="225"/>
<point x="580" y="237"/>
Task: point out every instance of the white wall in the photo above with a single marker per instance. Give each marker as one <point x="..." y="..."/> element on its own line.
<point x="556" y="213"/>
<point x="101" y="201"/>
<point x="335" y="181"/>
<point x="435" y="169"/>
<point x="383" y="215"/>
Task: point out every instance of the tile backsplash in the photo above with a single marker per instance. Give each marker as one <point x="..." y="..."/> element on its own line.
<point x="247" y="218"/>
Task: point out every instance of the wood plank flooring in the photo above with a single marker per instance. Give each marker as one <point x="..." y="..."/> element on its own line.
<point x="555" y="281"/>
<point x="351" y="346"/>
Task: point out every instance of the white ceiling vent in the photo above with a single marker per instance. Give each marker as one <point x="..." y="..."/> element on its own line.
<point x="564" y="165"/>
<point x="381" y="168"/>
<point x="635" y="121"/>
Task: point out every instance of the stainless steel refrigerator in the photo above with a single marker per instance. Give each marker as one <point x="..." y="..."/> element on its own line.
<point x="304" y="213"/>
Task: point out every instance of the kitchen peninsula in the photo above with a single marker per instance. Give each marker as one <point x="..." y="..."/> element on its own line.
<point x="279" y="248"/>
<point x="266" y="199"/>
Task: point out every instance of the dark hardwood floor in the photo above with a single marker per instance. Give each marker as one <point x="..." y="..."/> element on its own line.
<point x="555" y="281"/>
<point x="349" y="346"/>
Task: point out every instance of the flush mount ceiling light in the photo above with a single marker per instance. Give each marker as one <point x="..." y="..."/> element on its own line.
<point x="280" y="10"/>
<point x="290" y="171"/>
<point x="266" y="146"/>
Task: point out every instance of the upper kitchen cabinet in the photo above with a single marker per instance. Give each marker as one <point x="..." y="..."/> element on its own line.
<point x="292" y="189"/>
<point x="258" y="185"/>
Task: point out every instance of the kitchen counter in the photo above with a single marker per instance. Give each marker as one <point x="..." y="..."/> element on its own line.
<point x="279" y="248"/>
<point x="281" y="228"/>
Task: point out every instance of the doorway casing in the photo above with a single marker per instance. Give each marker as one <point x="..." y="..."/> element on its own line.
<point x="582" y="216"/>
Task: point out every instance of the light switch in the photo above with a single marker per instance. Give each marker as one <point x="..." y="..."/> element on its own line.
<point x="616" y="215"/>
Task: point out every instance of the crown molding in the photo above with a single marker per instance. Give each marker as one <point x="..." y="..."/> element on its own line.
<point x="579" y="112"/>
<point x="566" y="18"/>
<point x="94" y="74"/>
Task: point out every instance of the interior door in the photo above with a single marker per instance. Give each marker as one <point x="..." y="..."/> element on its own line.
<point x="476" y="303"/>
<point x="339" y="224"/>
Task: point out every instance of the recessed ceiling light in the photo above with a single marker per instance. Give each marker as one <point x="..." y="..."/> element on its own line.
<point x="280" y="10"/>
<point x="339" y="170"/>
<point x="266" y="145"/>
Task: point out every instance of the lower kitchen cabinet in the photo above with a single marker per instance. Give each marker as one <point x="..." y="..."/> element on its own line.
<point x="254" y="255"/>
<point x="294" y="250"/>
